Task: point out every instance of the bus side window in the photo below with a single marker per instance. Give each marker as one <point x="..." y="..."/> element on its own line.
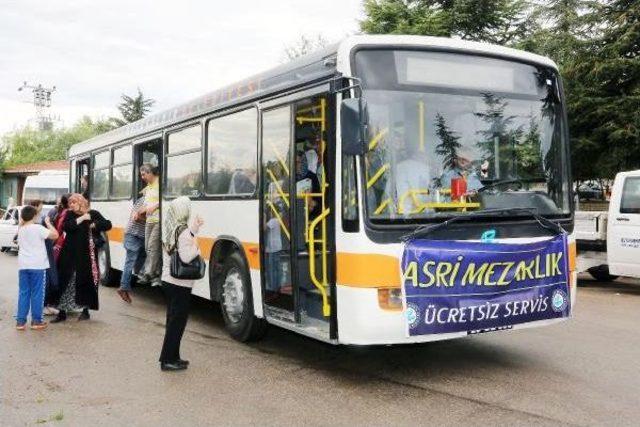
<point x="183" y="176"/>
<point x="349" y="194"/>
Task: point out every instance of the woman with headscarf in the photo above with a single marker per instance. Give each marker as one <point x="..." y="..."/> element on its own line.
<point x="78" y="266"/>
<point x="57" y="216"/>
<point x="177" y="235"/>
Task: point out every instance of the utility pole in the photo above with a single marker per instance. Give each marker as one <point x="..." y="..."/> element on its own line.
<point x="42" y="101"/>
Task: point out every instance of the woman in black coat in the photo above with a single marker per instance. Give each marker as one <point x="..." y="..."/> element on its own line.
<point x="79" y="272"/>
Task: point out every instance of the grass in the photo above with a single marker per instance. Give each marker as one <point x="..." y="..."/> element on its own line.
<point x="59" y="416"/>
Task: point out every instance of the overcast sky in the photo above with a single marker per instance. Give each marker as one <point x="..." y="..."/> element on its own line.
<point x="93" y="51"/>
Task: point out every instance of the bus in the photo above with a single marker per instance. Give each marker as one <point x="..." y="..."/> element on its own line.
<point x="316" y="179"/>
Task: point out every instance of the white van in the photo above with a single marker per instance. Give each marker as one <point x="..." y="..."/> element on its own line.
<point x="47" y="186"/>
<point x="609" y="242"/>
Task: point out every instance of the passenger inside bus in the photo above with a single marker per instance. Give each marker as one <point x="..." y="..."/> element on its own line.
<point x="243" y="181"/>
<point x="462" y="170"/>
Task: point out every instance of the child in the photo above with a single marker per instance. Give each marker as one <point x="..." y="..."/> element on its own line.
<point x="32" y="265"/>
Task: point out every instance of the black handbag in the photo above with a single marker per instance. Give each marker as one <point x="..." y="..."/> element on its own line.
<point x="179" y="269"/>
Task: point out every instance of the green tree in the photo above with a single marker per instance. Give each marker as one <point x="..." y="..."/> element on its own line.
<point x="27" y="145"/>
<point x="449" y="143"/>
<point x="494" y="21"/>
<point x="608" y="110"/>
<point x="528" y="152"/>
<point x="133" y="108"/>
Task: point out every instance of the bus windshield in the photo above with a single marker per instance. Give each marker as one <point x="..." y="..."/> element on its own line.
<point x="451" y="134"/>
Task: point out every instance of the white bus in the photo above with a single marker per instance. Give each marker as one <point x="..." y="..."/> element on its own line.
<point x="309" y="176"/>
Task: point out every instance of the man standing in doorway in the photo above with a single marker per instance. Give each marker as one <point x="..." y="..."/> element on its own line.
<point x="151" y="208"/>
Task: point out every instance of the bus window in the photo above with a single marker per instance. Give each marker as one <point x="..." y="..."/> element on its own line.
<point x="183" y="176"/>
<point x="100" y="176"/>
<point x="231" y="153"/>
<point x="121" y="173"/>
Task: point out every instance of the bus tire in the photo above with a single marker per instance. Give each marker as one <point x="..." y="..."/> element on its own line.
<point x="601" y="274"/>
<point x="236" y="301"/>
<point x="104" y="264"/>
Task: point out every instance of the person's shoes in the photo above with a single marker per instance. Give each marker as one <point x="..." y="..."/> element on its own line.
<point x="21" y="326"/>
<point x="175" y="366"/>
<point x="50" y="311"/>
<point x="84" y="315"/>
<point x="183" y="362"/>
<point x="144" y="279"/>
<point x="124" y="295"/>
<point x="156" y="282"/>
<point x="39" y="326"/>
<point x="60" y="317"/>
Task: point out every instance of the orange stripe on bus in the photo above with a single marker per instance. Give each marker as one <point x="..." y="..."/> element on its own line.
<point x="572" y="256"/>
<point x="251" y="250"/>
<point x="367" y="270"/>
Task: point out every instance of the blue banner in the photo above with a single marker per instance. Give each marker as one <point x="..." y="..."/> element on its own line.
<point x="456" y="286"/>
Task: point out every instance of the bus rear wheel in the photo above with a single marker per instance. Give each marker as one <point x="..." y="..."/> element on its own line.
<point x="601" y="274"/>
<point x="104" y="265"/>
<point x="236" y="301"/>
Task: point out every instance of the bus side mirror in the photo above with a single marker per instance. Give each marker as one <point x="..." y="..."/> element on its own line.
<point x="353" y="126"/>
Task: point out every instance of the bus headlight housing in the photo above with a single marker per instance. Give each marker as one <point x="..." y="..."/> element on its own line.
<point x="390" y="299"/>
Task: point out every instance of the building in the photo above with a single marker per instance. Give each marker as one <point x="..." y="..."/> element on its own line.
<point x="12" y="178"/>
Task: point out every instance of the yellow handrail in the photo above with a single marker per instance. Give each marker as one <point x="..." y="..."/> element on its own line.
<point x="279" y="218"/>
<point x="278" y="188"/>
<point x="376" y="176"/>
<point x="326" y="307"/>
<point x="377" y="138"/>
<point x="413" y="193"/>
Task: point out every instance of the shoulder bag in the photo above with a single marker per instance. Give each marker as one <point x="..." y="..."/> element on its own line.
<point x="179" y="269"/>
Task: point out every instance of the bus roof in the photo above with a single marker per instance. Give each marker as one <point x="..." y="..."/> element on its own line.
<point x="310" y="67"/>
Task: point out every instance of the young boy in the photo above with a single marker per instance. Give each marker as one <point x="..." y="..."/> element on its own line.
<point x="32" y="265"/>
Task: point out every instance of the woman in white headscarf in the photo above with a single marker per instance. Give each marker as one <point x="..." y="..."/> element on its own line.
<point x="178" y="291"/>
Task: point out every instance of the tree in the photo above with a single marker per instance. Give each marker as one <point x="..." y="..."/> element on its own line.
<point x="133" y="108"/>
<point x="28" y="145"/>
<point x="495" y="21"/>
<point x="449" y="145"/>
<point x="610" y="103"/>
<point x="500" y="139"/>
<point x="304" y="46"/>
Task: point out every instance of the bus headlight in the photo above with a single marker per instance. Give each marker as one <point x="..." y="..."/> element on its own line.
<point x="390" y="299"/>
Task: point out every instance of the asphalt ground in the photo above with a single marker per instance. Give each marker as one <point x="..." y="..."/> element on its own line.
<point x="105" y="372"/>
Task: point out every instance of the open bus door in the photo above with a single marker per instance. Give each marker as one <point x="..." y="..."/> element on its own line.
<point x="297" y="224"/>
<point x="147" y="152"/>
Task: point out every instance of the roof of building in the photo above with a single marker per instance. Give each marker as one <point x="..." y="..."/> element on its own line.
<point x="29" y="168"/>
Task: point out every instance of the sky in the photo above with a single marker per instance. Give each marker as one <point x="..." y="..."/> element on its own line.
<point x="94" y="51"/>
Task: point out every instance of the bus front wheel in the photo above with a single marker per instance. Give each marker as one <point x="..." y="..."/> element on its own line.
<point x="236" y="301"/>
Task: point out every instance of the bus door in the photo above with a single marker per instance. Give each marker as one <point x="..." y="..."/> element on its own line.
<point x="82" y="173"/>
<point x="148" y="152"/>
<point x="297" y="236"/>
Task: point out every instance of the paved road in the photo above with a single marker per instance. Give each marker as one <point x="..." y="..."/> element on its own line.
<point x="105" y="372"/>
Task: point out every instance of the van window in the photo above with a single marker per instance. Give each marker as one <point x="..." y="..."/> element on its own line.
<point x="630" y="202"/>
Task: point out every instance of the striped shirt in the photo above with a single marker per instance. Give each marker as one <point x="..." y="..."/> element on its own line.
<point x="136" y="228"/>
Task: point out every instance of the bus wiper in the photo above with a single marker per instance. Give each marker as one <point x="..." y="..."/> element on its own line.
<point x="425" y="230"/>
<point x="502" y="182"/>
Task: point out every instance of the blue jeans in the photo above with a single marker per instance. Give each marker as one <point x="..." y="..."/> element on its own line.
<point x="31" y="295"/>
<point x="134" y="246"/>
<point x="273" y="271"/>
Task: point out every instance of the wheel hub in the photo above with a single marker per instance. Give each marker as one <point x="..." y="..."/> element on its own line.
<point x="233" y="295"/>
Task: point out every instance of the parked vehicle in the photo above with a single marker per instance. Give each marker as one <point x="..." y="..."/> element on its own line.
<point x="609" y="242"/>
<point x="46" y="186"/>
<point x="9" y="227"/>
<point x="590" y="191"/>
